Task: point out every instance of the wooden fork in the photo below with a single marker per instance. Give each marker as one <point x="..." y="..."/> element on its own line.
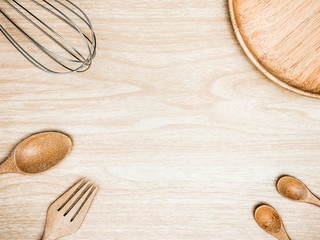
<point x="67" y="213"/>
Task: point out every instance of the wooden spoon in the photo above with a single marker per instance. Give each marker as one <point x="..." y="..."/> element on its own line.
<point x="270" y="221"/>
<point x="37" y="153"/>
<point x="293" y="189"/>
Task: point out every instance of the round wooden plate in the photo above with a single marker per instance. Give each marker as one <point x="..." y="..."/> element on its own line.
<point x="282" y="38"/>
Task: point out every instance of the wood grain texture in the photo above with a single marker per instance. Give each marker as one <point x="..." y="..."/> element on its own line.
<point x="282" y="39"/>
<point x="180" y="131"/>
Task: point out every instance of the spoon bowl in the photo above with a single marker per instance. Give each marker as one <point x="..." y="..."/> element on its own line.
<point x="295" y="190"/>
<point x="270" y="221"/>
<point x="292" y="188"/>
<point x="37" y="153"/>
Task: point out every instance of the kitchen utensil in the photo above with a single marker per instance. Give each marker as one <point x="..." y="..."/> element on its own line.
<point x="270" y="221"/>
<point x="293" y="189"/>
<point x="282" y="39"/>
<point x="55" y="36"/>
<point x="37" y="153"/>
<point x="67" y="213"/>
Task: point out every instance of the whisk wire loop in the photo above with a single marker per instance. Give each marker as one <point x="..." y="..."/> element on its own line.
<point x="76" y="60"/>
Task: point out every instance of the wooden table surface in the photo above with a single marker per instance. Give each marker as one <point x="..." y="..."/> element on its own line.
<point x="181" y="132"/>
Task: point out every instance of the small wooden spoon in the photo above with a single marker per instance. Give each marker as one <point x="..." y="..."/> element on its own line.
<point x="270" y="221"/>
<point x="293" y="189"/>
<point x="37" y="153"/>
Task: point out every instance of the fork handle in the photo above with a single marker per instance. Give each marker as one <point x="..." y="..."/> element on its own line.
<point x="47" y="237"/>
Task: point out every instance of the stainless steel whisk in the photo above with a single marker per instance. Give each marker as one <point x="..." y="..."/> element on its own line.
<point x="41" y="43"/>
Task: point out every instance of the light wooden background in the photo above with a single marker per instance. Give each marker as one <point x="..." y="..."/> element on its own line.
<point x="181" y="132"/>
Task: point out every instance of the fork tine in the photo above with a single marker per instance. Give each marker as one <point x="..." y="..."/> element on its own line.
<point x="82" y="211"/>
<point x="77" y="206"/>
<point x="74" y="198"/>
<point x="67" y="195"/>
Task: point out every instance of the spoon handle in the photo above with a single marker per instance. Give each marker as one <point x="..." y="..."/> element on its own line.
<point x="284" y="237"/>
<point x="314" y="200"/>
<point x="7" y="166"/>
<point x="283" y="234"/>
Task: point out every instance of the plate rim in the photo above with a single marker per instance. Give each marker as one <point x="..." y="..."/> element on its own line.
<point x="256" y="62"/>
